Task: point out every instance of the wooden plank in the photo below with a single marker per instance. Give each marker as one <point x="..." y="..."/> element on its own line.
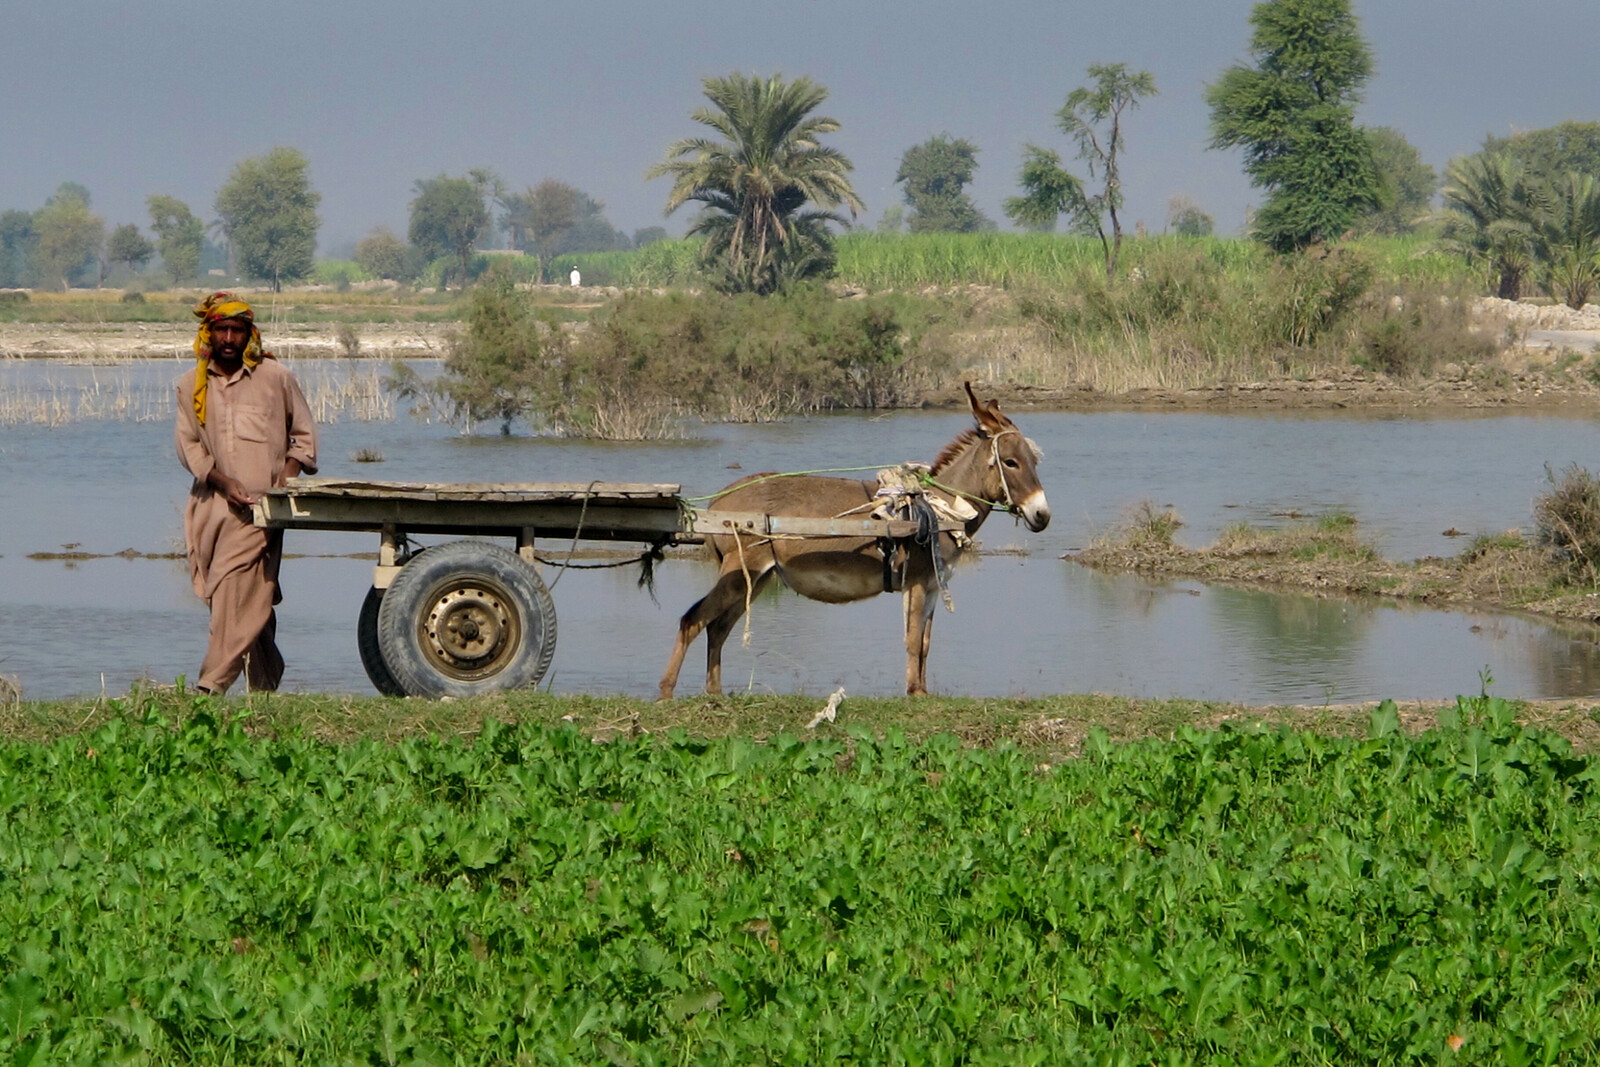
<point x="610" y="492"/>
<point x="485" y="517"/>
<point x="625" y="512"/>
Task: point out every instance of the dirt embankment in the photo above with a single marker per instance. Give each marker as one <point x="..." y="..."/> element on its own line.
<point x="1552" y="361"/>
<point x="115" y="342"/>
<point x="1327" y="557"/>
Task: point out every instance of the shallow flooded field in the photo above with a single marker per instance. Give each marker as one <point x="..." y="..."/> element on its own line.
<point x="1026" y="622"/>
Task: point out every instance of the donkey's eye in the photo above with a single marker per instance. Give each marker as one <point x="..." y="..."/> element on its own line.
<point x="1013" y="464"/>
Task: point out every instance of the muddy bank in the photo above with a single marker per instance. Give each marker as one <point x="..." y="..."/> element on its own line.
<point x="116" y="342"/>
<point x="1350" y="390"/>
<point x="1328" y="557"/>
<point x="1549" y="367"/>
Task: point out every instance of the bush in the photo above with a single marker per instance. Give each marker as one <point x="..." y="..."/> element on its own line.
<point x="133" y="296"/>
<point x="338" y="272"/>
<point x="646" y="360"/>
<point x="747" y="357"/>
<point x="506" y="365"/>
<point x="1313" y="290"/>
<point x="10" y="298"/>
<point x="1409" y="332"/>
<point x="1567" y="523"/>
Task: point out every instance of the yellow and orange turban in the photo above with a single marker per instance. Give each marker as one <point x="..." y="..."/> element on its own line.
<point x="213" y="309"/>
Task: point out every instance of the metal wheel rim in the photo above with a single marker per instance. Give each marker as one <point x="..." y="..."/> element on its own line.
<point x="471" y="629"/>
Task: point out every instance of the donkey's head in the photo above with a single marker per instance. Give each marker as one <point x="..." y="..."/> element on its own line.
<point x="1011" y="476"/>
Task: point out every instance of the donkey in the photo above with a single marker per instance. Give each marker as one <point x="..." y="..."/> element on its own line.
<point x="988" y="466"/>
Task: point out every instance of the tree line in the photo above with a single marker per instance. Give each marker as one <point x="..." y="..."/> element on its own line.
<point x="771" y="193"/>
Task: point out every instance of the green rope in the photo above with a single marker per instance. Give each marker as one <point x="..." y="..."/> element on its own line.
<point x="994" y="505"/>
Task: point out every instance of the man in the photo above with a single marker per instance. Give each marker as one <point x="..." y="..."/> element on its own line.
<point x="575" y="278"/>
<point x="243" y="426"/>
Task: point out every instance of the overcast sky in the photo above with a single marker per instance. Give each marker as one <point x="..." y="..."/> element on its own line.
<point x="155" y="96"/>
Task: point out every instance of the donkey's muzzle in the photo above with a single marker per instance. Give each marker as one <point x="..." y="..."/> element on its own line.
<point x="1035" y="512"/>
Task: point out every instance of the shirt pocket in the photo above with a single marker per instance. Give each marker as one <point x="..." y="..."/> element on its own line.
<point x="252" y="424"/>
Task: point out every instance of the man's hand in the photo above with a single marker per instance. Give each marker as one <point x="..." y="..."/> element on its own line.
<point x="232" y="488"/>
<point x="291" y="469"/>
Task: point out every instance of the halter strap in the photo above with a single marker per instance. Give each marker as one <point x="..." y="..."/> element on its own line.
<point x="1000" y="468"/>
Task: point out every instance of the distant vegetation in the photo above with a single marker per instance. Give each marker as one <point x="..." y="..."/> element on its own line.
<point x="1344" y="265"/>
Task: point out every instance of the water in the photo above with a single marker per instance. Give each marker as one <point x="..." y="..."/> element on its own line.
<point x="1024" y="623"/>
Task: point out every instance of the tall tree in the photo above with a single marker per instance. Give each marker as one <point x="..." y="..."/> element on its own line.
<point x="1548" y="154"/>
<point x="1405" y="183"/>
<point x="1293" y="113"/>
<point x="1491" y="209"/>
<point x="648" y="235"/>
<point x="448" y="216"/>
<point x="935" y="174"/>
<point x="127" y="245"/>
<point x="1187" y="219"/>
<point x="757" y="181"/>
<point x="382" y="254"/>
<point x="268" y="212"/>
<point x="549" y="210"/>
<point x="180" y="236"/>
<point x="17" y="240"/>
<point x="67" y="236"/>
<point x="1092" y="116"/>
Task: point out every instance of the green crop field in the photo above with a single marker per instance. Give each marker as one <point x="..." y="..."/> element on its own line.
<point x="188" y="891"/>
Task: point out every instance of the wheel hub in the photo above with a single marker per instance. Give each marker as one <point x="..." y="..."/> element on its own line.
<point x="469" y="628"/>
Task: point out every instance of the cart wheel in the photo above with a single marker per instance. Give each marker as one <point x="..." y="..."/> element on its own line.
<point x="465" y="618"/>
<point x="367" y="644"/>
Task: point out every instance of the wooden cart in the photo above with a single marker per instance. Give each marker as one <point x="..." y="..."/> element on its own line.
<point x="473" y="616"/>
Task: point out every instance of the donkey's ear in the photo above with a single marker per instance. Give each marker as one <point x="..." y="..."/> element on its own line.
<point x="990" y="420"/>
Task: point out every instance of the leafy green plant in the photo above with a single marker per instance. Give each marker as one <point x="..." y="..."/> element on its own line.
<point x="186" y="890"/>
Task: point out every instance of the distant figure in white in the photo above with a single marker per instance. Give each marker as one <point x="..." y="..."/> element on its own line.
<point x="577" y="279"/>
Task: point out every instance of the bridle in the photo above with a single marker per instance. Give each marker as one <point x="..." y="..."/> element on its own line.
<point x="1007" y="503"/>
<point x="1000" y="469"/>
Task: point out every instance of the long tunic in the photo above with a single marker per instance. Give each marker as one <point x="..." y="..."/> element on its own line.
<point x="255" y="420"/>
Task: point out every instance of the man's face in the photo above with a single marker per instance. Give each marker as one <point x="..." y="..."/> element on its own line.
<point x="228" y="339"/>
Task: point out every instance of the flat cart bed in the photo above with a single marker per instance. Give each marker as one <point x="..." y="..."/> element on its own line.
<point x="604" y="511"/>
<point x="469" y="617"/>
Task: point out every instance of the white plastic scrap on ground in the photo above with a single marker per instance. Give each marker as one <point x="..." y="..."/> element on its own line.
<point x="830" y="710"/>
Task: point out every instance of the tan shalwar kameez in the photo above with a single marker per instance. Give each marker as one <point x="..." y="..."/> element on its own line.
<point x="255" y="420"/>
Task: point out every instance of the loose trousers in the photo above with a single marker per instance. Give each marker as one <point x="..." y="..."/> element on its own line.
<point x="244" y="631"/>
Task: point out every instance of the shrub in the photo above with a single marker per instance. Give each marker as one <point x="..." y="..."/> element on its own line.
<point x="505" y="365"/>
<point x="1567" y="523"/>
<point x="132" y="296"/>
<point x="1311" y="291"/>
<point x="338" y="272"/>
<point x="1148" y="528"/>
<point x="348" y="338"/>
<point x="746" y="357"/>
<point x="1408" y="332"/>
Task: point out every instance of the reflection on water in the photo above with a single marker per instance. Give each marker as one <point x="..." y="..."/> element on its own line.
<point x="1024" y="624"/>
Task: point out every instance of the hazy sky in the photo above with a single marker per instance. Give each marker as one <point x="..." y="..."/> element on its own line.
<point x="154" y="96"/>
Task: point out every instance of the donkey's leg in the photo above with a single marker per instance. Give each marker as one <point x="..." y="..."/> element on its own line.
<point x="728" y="592"/>
<point x="919" y="605"/>
<point x="718" y="629"/>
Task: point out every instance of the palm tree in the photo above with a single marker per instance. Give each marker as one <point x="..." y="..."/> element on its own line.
<point x="1491" y="209"/>
<point x="1567" y="239"/>
<point x="756" y="183"/>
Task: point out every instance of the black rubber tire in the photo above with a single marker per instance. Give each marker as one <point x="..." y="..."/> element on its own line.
<point x="466" y="618"/>
<point x="378" y="672"/>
